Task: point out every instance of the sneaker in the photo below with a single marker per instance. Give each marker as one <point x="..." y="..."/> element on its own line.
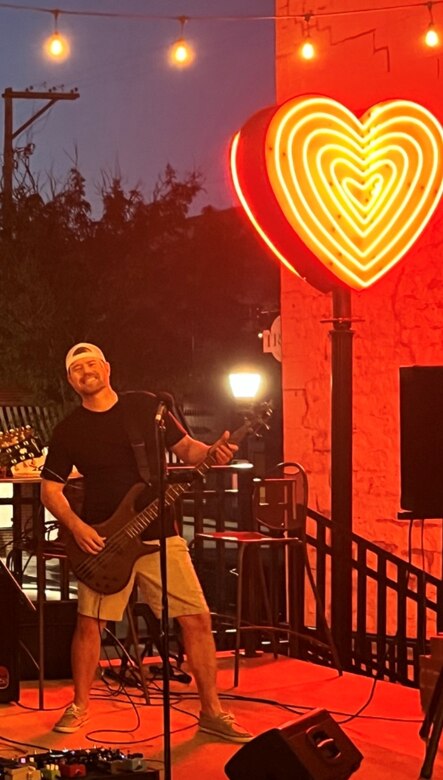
<point x="223" y="726"/>
<point x="72" y="719"/>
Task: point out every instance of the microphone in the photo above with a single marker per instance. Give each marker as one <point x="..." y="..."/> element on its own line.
<point x="166" y="398"/>
<point x="165" y="404"/>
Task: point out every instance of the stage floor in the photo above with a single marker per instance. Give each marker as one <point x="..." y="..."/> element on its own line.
<point x="270" y="694"/>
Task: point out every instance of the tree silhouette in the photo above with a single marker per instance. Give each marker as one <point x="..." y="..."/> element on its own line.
<point x="172" y="299"/>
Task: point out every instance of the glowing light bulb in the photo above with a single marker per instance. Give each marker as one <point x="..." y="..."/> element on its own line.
<point x="244" y="384"/>
<point x="57" y="47"/>
<point x="181" y="53"/>
<point x="432" y="37"/>
<point x="307" y="50"/>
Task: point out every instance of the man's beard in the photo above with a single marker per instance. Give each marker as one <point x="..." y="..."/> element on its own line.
<point x="88" y="388"/>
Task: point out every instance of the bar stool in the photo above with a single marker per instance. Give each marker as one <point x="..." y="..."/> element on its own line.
<point x="280" y="505"/>
<point x="133" y="639"/>
<point x="152" y="636"/>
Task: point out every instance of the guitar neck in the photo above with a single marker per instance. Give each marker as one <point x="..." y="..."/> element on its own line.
<point x="173" y="492"/>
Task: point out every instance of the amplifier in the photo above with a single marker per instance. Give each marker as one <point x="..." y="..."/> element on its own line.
<point x="59" y="623"/>
<point x="11" y="599"/>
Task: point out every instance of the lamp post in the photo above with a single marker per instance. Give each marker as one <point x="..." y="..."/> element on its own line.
<point x="246" y="384"/>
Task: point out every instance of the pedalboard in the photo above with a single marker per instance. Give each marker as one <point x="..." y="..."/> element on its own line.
<point x="92" y="764"/>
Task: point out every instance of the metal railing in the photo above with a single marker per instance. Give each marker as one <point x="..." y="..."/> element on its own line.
<point x="396" y="606"/>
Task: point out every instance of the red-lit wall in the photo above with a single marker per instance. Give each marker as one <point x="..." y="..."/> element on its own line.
<point x="364" y="59"/>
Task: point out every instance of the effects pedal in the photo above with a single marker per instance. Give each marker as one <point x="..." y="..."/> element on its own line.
<point x="72" y="770"/>
<point x="91" y="764"/>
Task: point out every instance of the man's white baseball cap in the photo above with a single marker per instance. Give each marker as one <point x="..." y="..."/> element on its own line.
<point x="83" y="351"/>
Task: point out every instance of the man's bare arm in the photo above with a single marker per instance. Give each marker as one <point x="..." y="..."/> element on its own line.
<point x="55" y="501"/>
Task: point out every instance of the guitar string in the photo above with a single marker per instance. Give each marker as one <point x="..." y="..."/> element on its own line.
<point x="114" y="546"/>
<point x="127" y="532"/>
<point x="121" y="537"/>
<point x="88" y="566"/>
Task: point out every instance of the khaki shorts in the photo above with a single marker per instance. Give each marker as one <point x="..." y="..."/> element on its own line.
<point x="185" y="596"/>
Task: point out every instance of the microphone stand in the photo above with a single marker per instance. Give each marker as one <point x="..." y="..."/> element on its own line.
<point x="161" y="454"/>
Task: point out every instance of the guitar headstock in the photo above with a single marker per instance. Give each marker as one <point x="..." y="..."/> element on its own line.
<point x="258" y="417"/>
<point x="256" y="420"/>
<point x="19" y="444"/>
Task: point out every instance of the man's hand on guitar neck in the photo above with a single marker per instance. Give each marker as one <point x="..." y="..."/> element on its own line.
<point x="222" y="449"/>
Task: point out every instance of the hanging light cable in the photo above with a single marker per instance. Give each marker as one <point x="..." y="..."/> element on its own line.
<point x="432" y="38"/>
<point x="307" y="49"/>
<point x="56" y="46"/>
<point x="181" y="53"/>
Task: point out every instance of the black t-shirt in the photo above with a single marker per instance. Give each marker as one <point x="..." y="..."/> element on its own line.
<point x="98" y="445"/>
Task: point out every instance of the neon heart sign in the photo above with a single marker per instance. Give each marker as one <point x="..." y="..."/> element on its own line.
<point x="339" y="199"/>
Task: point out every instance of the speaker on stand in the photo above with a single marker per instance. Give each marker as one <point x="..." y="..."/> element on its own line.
<point x="421" y="440"/>
<point x="313" y="747"/>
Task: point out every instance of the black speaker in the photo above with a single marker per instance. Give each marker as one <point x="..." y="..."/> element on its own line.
<point x="421" y="440"/>
<point x="59" y="623"/>
<point x="9" y="677"/>
<point x="12" y="600"/>
<point x="312" y="747"/>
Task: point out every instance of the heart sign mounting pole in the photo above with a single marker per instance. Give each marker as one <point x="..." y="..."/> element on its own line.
<point x="341" y="473"/>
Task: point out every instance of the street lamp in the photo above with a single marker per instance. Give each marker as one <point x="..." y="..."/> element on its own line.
<point x="245" y="385"/>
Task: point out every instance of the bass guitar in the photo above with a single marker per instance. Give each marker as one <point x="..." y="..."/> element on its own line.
<point x="109" y="570"/>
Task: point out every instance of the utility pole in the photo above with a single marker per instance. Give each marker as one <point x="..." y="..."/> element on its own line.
<point x="9" y="95"/>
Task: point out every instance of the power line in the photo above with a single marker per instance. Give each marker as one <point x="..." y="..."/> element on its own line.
<point x="219" y="17"/>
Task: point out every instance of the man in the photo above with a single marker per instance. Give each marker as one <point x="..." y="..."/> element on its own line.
<point x="95" y="440"/>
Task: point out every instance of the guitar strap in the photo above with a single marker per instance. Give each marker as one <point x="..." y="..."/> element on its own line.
<point x="135" y="435"/>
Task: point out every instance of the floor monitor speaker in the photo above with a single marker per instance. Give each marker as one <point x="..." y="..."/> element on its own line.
<point x="421" y="440"/>
<point x="313" y="747"/>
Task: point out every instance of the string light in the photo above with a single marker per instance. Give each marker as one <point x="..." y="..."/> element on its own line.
<point x="56" y="46"/>
<point x="307" y="49"/>
<point x="181" y="53"/>
<point x="432" y="38"/>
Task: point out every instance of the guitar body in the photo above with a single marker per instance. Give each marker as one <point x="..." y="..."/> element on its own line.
<point x="110" y="570"/>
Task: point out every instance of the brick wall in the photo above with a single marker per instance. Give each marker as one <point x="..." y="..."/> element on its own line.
<point x="402" y="315"/>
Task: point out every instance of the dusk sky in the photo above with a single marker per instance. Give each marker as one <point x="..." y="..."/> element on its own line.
<point x="135" y="112"/>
